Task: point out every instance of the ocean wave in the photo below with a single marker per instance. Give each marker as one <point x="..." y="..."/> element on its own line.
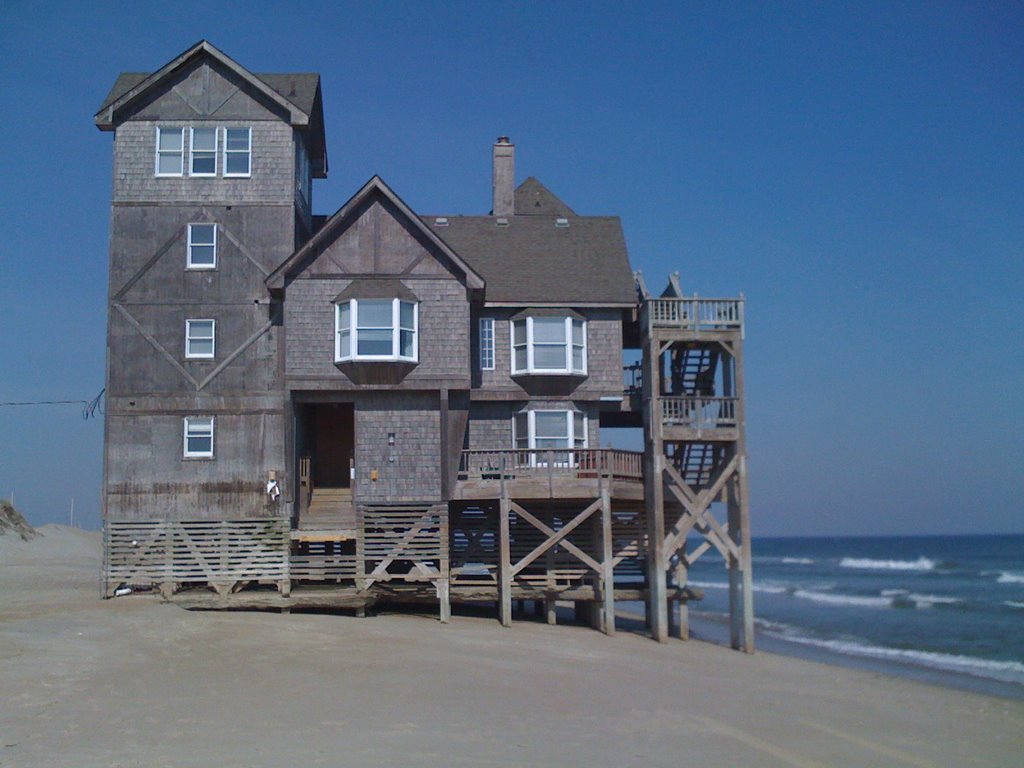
<point x="1013" y="604"/>
<point x="921" y="564"/>
<point x="769" y="589"/>
<point x="895" y="592"/>
<point x="927" y="601"/>
<point x="797" y="561"/>
<point x="1010" y="577"/>
<point x="1005" y="671"/>
<point x="858" y="601"/>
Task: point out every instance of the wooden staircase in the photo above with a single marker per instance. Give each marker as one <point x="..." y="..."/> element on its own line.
<point x="330" y="512"/>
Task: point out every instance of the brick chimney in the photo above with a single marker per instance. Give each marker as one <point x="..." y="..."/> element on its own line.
<point x="504" y="179"/>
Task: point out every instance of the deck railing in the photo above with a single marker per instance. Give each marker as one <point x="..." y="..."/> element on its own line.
<point x="632" y="378"/>
<point x="575" y="463"/>
<point x="699" y="412"/>
<point x="695" y="313"/>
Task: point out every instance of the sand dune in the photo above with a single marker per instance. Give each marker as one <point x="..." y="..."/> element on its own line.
<point x="134" y="682"/>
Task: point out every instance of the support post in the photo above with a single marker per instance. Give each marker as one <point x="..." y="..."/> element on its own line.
<point x="443" y="565"/>
<point x="657" y="603"/>
<point x="607" y="563"/>
<point x="505" y="577"/>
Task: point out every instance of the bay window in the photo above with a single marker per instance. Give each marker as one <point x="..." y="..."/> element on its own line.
<point x="376" y="329"/>
<point x="549" y="345"/>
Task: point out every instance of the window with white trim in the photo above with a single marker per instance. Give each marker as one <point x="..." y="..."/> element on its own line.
<point x="376" y="329"/>
<point x="198" y="437"/>
<point x="487" y="343"/>
<point x="558" y="431"/>
<point x="237" y="152"/>
<point x="202" y="246"/>
<point x="202" y="152"/>
<point x="170" y="151"/>
<point x="200" y="339"/>
<point x="549" y="345"/>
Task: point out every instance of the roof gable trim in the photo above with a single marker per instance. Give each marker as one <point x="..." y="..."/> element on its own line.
<point x="105" y="117"/>
<point x="276" y="280"/>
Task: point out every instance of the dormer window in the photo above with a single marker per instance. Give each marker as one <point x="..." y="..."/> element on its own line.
<point x="376" y="329"/>
<point x="546" y="344"/>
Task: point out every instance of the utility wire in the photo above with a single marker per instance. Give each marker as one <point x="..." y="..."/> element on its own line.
<point x="89" y="407"/>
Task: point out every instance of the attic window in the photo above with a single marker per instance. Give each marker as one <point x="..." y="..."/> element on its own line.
<point x="440" y="221"/>
<point x="560" y="222"/>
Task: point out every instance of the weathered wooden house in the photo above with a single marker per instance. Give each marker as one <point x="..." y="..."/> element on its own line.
<point x="380" y="404"/>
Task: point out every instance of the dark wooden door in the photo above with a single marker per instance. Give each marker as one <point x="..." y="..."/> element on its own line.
<point x="333" y="438"/>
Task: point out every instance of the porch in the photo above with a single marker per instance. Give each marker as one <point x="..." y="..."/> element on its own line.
<point x="580" y="473"/>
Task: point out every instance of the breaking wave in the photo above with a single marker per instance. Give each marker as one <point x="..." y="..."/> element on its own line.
<point x="921" y="564"/>
<point x="858" y="601"/>
<point x="1013" y="604"/>
<point x="1004" y="671"/>
<point x="1010" y="577"/>
<point x="797" y="561"/>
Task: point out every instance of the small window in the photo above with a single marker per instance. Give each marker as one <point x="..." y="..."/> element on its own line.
<point x="549" y="346"/>
<point x="170" y="151"/>
<point x="376" y="329"/>
<point x="202" y="246"/>
<point x="237" y="151"/>
<point x="198" y="443"/>
<point x="203" y="152"/>
<point x="487" y="343"/>
<point x="199" y="339"/>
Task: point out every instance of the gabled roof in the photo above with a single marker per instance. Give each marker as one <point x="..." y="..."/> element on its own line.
<point x="534" y="199"/>
<point x="300" y="88"/>
<point x="296" y="94"/>
<point x="106" y="117"/>
<point x="345" y="214"/>
<point x="554" y="258"/>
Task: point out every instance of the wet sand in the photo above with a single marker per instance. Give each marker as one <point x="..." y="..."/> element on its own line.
<point x="136" y="682"/>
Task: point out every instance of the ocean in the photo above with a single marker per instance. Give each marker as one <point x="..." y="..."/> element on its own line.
<point x="944" y="609"/>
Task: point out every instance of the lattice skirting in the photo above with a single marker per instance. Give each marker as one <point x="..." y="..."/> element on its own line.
<point x="192" y="552"/>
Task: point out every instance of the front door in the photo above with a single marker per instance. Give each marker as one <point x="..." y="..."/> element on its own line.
<point x="333" y="427"/>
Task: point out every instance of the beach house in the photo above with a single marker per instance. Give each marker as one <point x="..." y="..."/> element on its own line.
<point x="384" y="404"/>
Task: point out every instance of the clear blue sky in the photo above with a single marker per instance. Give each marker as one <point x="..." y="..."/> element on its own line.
<point x="857" y="170"/>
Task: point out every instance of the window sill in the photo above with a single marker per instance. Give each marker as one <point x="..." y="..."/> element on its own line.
<point x="577" y="374"/>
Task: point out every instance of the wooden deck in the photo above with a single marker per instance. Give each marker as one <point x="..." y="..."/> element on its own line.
<point x="550" y="474"/>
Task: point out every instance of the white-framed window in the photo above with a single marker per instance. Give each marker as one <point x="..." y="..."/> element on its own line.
<point x="202" y="152"/>
<point x="237" y="152"/>
<point x="198" y="437"/>
<point x="549" y="345"/>
<point x="376" y="329"/>
<point x="487" y="343"/>
<point x="170" y="151"/>
<point x="202" y="246"/>
<point x="540" y="430"/>
<point x="200" y="337"/>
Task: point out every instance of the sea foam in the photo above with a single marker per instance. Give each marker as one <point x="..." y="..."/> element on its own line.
<point x="1010" y="577"/>
<point x="921" y="564"/>
<point x="1005" y="671"/>
<point x="769" y="589"/>
<point x="858" y="601"/>
<point x="797" y="561"/>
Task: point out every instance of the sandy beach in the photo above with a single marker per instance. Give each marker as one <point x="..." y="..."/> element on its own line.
<point x="136" y="682"/>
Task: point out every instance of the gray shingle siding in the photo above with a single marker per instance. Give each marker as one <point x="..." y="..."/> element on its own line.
<point x="273" y="166"/>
